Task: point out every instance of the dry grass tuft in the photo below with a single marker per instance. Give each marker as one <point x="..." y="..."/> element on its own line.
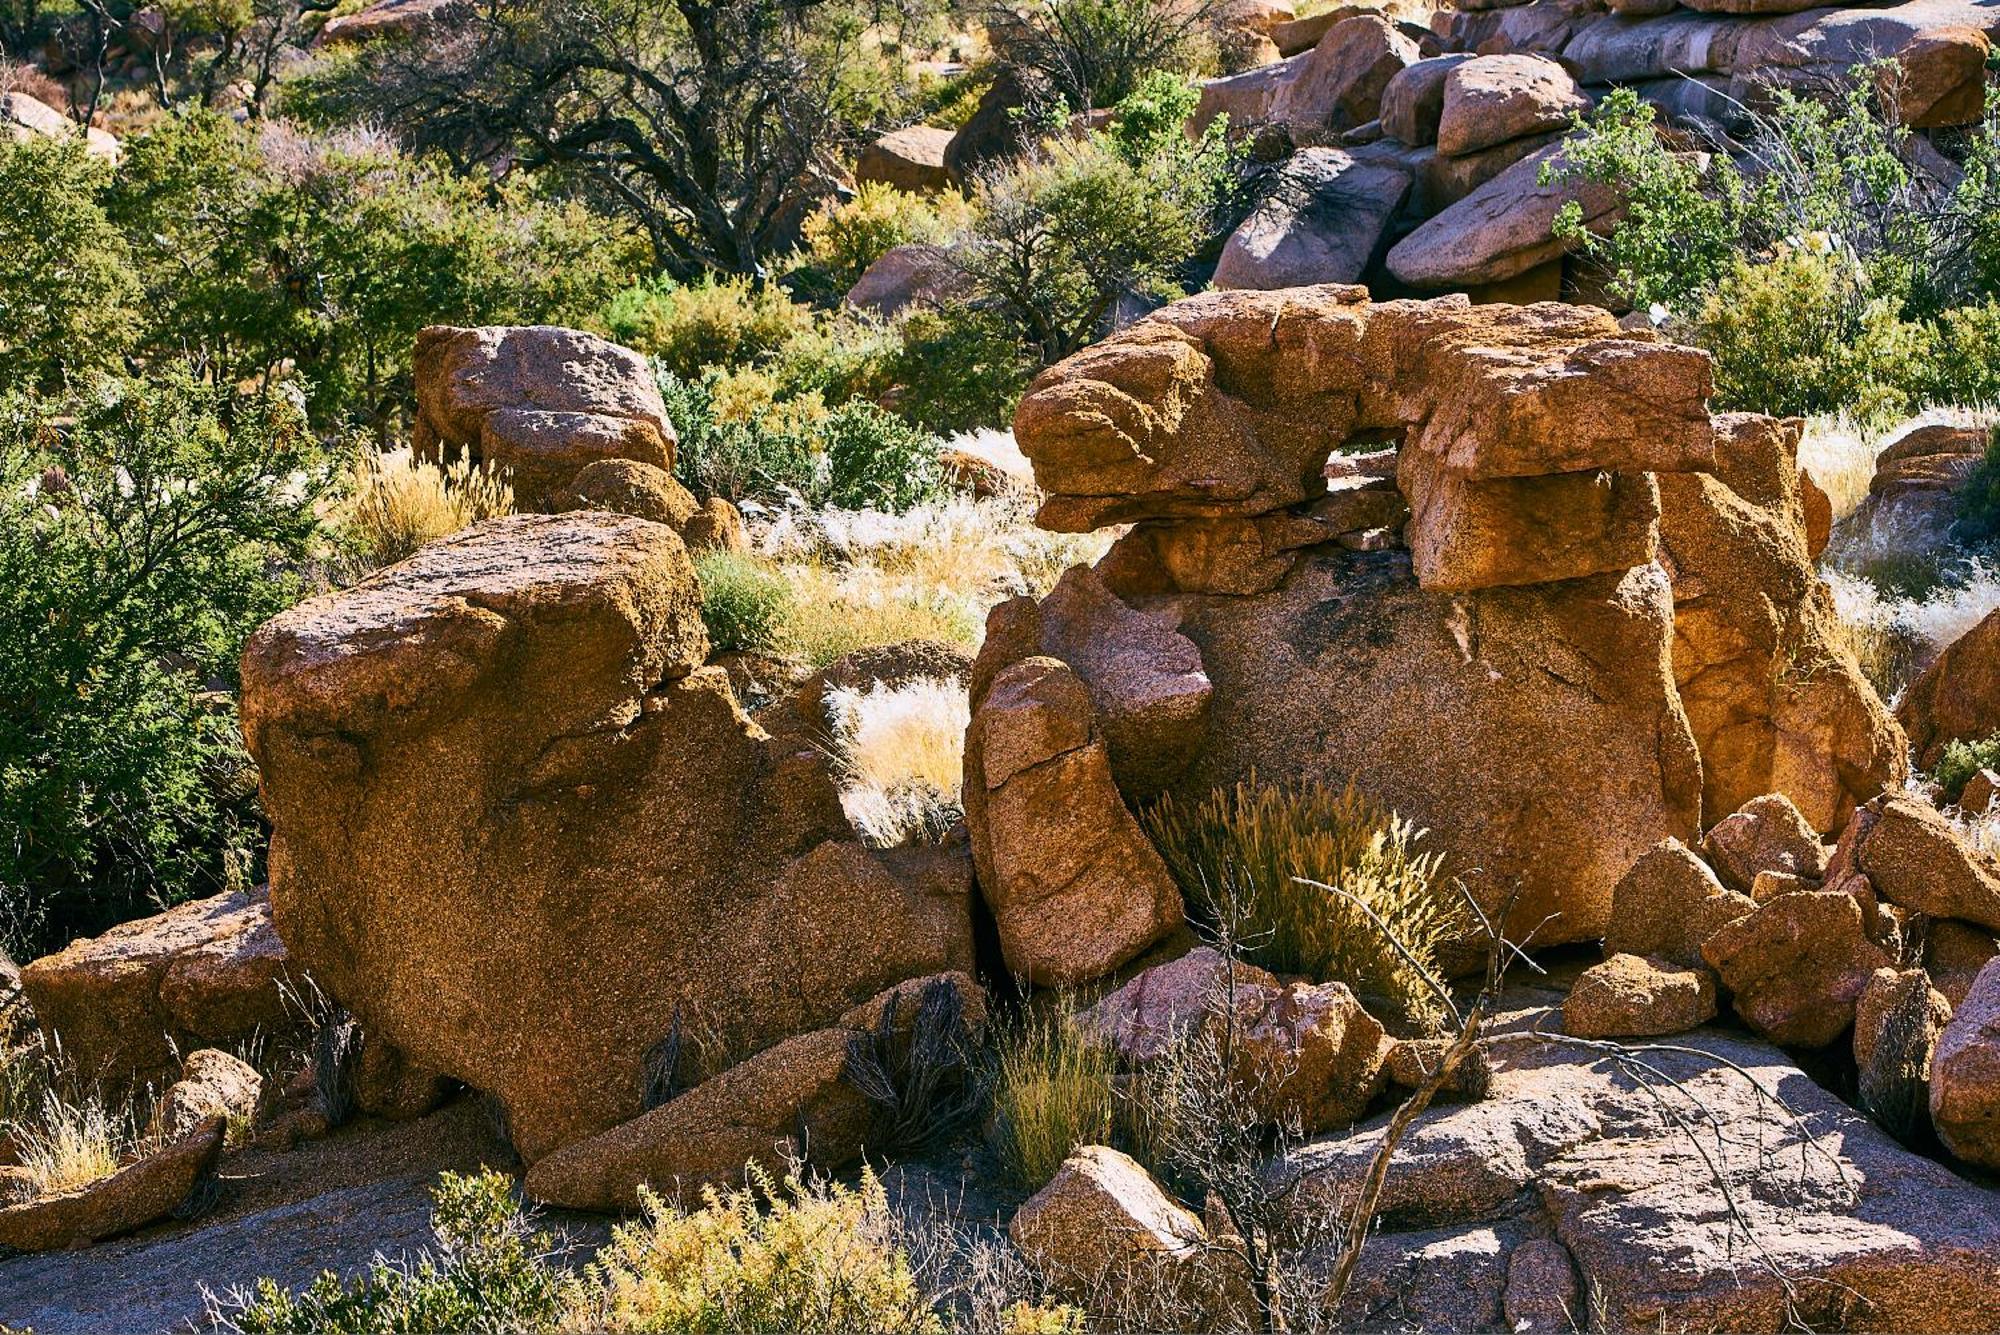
<point x="1840" y="452"/>
<point x="73" y="1144"/>
<point x="1893" y="638"/>
<point x="398" y="503"/>
<point x="1053" y="1092"/>
<point x="901" y="752"/>
<point x="1239" y="850"/>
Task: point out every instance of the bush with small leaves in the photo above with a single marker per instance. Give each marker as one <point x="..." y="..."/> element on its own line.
<point x="715" y="322"/>
<point x="743" y="602"/>
<point x="1961" y="760"/>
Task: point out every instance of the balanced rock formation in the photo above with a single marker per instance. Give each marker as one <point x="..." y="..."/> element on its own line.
<point x="209" y="972"/>
<point x="1521" y="625"/>
<point x="524" y="836"/>
<point x="537" y="402"/>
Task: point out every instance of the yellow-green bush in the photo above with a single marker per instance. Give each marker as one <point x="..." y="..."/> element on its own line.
<point x="815" y="1258"/>
<point x="1238" y="851"/>
<point x="847" y="236"/>
<point x="715" y="322"/>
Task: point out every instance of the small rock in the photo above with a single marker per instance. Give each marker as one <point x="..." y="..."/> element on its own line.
<point x="1169" y="1002"/>
<point x="1976" y="799"/>
<point x="629" y="487"/>
<point x="1767" y="834"/>
<point x="1629" y="996"/>
<point x="213" y="1084"/>
<point x="1103" y="1232"/>
<point x="1411" y="1062"/>
<point x="1956" y="698"/>
<point x="1796" y="966"/>
<point x="1308" y="1054"/>
<point x="909" y="159"/>
<point x="1770" y="884"/>
<point x="905" y="276"/>
<point x="1413" y="99"/>
<point x="1668" y="904"/>
<point x="1954" y="953"/>
<point x="1898" y="1020"/>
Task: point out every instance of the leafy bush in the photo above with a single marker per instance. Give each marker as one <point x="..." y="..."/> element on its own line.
<point x="487" y="1274"/>
<point x="816" y="1258"/>
<point x="1237" y="851"/>
<point x="67" y="294"/>
<point x="1097" y="52"/>
<point x="140" y="526"/>
<point x="1805" y="333"/>
<point x="1963" y="759"/>
<point x="715" y="322"/>
<point x="1053" y="1092"/>
<point x="959" y="368"/>
<point x="743" y="602"/>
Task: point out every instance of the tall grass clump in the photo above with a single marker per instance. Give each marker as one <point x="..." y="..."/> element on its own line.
<point x="901" y="753"/>
<point x="812" y="1257"/>
<point x="744" y="603"/>
<point x="1053" y="1092"/>
<point x="398" y="503"/>
<point x="68" y="1144"/>
<point x="1237" y="852"/>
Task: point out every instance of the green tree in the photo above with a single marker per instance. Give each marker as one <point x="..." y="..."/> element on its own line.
<point x="140" y="522"/>
<point x="66" y="286"/>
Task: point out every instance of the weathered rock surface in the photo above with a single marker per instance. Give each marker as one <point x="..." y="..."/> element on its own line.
<point x="1912" y="499"/>
<point x="1410" y="1063"/>
<point x="1767" y="834"/>
<point x="628" y="487"/>
<point x="1965" y="1075"/>
<point x="1157" y="1008"/>
<point x="1898" y="1020"/>
<point x="1776" y="700"/>
<point x="1914" y="858"/>
<point x="1954" y="953"/>
<point x="909" y="159"/>
<point x="793" y="1100"/>
<point x="1413" y="100"/>
<point x="537" y="401"/>
<point x="1491" y="99"/>
<point x="1338" y="84"/>
<point x="1323" y="222"/>
<point x="135" y="1195"/>
<point x="1958" y="696"/>
<point x="1075" y="887"/>
<point x="388" y="18"/>
<point x="1797" y="965"/>
<point x="912" y="274"/>
<point x="1307" y="1054"/>
<point x="1104" y="1232"/>
<point x="1501" y="230"/>
<point x="1568" y="1140"/>
<point x="208" y="972"/>
<point x="1668" y="904"/>
<point x="512" y="727"/>
<point x="1631" y="996"/>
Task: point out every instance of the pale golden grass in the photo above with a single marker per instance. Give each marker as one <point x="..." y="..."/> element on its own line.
<point x="1840" y="453"/>
<point x="68" y="1145"/>
<point x="834" y="611"/>
<point x="397" y="503"/>
<point x="901" y="753"/>
<point x="1896" y="638"/>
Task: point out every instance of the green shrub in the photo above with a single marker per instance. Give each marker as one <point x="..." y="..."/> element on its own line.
<point x="876" y="461"/>
<point x="814" y="1258"/>
<point x="67" y="293"/>
<point x="1052" y="1093"/>
<point x="1962" y="363"/>
<point x="144" y="531"/>
<point x="1963" y="759"/>
<point x="1235" y="853"/>
<point x="959" y="368"/>
<point x="845" y="237"/>
<point x="487" y="1275"/>
<point x="743" y="602"/>
<point x="1806" y="334"/>
<point x="716" y="322"/>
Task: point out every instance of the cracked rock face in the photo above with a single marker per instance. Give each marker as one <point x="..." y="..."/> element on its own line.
<point x="524" y="836"/>
<point x="1631" y="1182"/>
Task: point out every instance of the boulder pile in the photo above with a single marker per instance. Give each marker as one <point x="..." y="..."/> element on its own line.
<point x="1368" y="535"/>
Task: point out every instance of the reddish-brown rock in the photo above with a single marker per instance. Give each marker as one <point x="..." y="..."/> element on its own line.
<point x="1796" y="966"/>
<point x="1630" y="996"/>
<point x="1767" y="834"/>
<point x="1965" y="1075"/>
<point x="136" y="1195"/>
<point x="909" y="159"/>
<point x="1668" y="904"/>
<point x="1958" y="696"/>
<point x="1491" y="99"/>
<point x="1916" y="859"/>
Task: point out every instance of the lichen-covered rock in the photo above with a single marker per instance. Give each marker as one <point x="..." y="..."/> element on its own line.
<point x="513" y="728"/>
<point x="1668" y="904"/>
<point x="1542" y="1297"/>
<point x="208" y="972"/>
<point x="1630" y="996"/>
<point x="537" y="402"/>
<point x="1307" y="1054"/>
<point x="1796" y="966"/>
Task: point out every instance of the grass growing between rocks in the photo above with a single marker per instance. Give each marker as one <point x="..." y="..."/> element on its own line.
<point x="1053" y="1092"/>
<point x="397" y="503"/>
<point x="1238" y="851"/>
<point x="71" y="1144"/>
<point x="901" y="754"/>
